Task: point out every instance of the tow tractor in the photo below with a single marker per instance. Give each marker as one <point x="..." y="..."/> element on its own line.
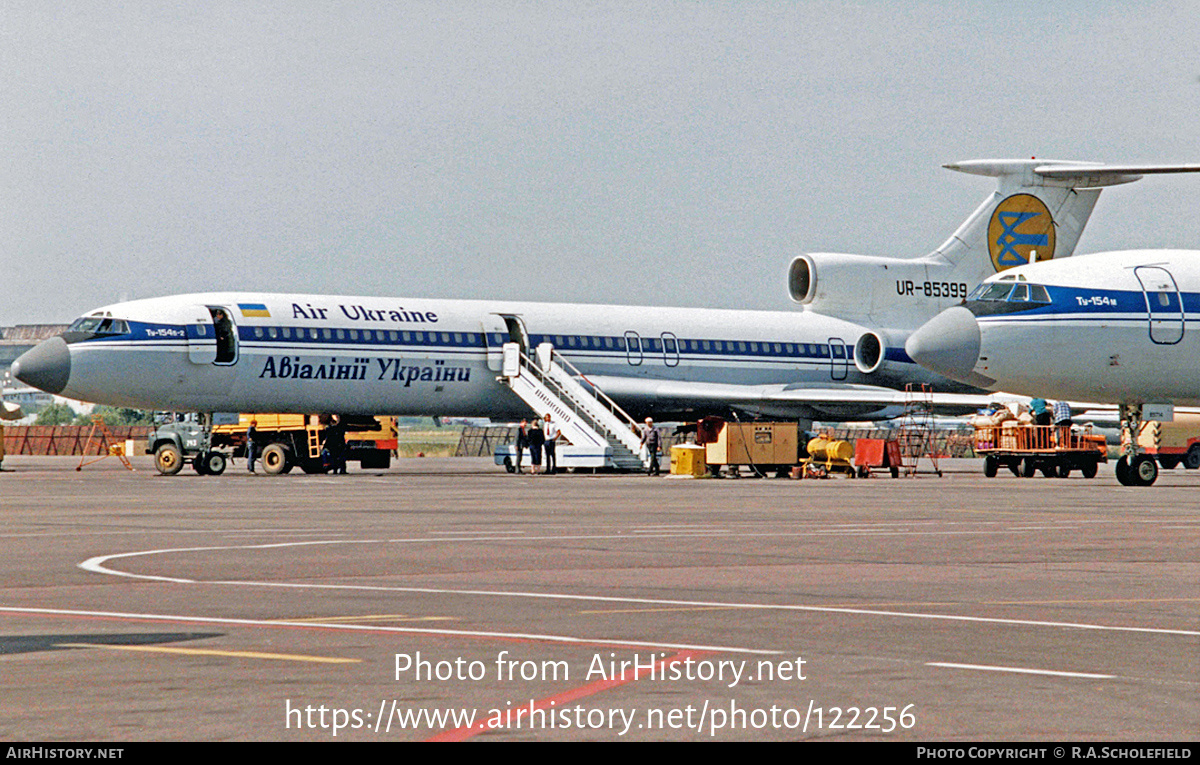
<point x="1026" y="449"/>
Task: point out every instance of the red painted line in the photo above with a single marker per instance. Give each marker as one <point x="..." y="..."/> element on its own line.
<point x="629" y="676"/>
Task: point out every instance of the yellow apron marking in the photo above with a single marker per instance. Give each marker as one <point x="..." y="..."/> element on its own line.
<point x="214" y="652"/>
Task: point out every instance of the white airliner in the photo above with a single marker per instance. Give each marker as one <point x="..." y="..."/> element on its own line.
<point x="1115" y="327"/>
<point x="840" y="356"/>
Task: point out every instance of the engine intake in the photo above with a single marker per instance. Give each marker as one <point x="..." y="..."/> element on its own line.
<point x="802" y="280"/>
<point x="869" y="352"/>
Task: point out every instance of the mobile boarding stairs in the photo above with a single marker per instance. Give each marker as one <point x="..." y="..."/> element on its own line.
<point x="599" y="433"/>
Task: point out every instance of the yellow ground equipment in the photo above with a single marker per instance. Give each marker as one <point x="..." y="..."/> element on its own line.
<point x="688" y="459"/>
<point x="826" y="456"/>
<point x="114" y="450"/>
<point x="288" y="440"/>
<point x="315" y="443"/>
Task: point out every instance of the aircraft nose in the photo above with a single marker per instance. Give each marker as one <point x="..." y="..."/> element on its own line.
<point x="46" y="366"/>
<point x="947" y="344"/>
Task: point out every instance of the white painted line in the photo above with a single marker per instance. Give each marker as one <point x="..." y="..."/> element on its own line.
<point x="484" y="531"/>
<point x="721" y="604"/>
<point x="379" y="628"/>
<point x="96" y="565"/>
<point x="1021" y="670"/>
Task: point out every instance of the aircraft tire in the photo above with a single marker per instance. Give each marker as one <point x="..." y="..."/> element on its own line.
<point x="275" y="459"/>
<point x="168" y="459"/>
<point x="1143" y="470"/>
<point x="1122" y="471"/>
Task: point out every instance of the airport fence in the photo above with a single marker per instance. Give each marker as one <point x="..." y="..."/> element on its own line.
<point x="954" y="443"/>
<point x="68" y="440"/>
<point x="482" y="440"/>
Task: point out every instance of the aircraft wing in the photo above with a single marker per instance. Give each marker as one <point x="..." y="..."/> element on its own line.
<point x="829" y="402"/>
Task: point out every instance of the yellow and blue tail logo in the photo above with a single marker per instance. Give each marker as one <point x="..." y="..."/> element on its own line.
<point x="254" y="309"/>
<point x="1020" y="225"/>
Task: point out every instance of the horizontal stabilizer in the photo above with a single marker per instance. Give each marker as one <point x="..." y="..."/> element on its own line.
<point x="1075" y="174"/>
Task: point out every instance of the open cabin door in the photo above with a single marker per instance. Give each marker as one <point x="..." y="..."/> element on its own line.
<point x="201" y="336"/>
<point x="499" y="329"/>
<point x="211" y="335"/>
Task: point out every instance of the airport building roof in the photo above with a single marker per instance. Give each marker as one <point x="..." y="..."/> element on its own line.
<point x="16" y="340"/>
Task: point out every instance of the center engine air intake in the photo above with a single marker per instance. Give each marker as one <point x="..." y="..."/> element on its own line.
<point x="869" y="352"/>
<point x="802" y="279"/>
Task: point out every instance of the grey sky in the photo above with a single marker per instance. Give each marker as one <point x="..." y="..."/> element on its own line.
<point x="645" y="152"/>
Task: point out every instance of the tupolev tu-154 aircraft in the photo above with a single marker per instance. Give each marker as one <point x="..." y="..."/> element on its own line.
<point x="839" y="355"/>
<point x="1114" y="327"/>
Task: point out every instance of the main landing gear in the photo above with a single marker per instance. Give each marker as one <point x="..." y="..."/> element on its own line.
<point x="1134" y="468"/>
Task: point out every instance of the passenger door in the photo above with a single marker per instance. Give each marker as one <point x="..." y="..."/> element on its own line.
<point x="839" y="361"/>
<point x="1164" y="305"/>
<point x="201" y="337"/>
<point x="633" y="348"/>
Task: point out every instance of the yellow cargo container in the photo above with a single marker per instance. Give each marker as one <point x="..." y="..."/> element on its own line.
<point x="688" y="459"/>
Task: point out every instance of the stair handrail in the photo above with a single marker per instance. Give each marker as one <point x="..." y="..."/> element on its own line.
<point x="613" y="406"/>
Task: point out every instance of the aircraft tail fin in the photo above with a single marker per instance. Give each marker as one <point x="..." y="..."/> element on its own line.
<point x="1039" y="209"/>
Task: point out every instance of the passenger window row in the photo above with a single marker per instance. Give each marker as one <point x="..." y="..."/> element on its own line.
<point x="562" y="342"/>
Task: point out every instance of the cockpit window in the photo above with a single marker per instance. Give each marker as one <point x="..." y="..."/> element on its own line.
<point x="992" y="291"/>
<point x="98" y="325"/>
<point x="1038" y="294"/>
<point x="85" y="324"/>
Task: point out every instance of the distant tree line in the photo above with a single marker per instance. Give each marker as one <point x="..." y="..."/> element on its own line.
<point x="61" y="414"/>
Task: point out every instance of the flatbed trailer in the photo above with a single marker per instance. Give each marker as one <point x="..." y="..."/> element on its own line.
<point x="1026" y="449"/>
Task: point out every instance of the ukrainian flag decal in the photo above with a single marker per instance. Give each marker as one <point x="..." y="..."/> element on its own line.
<point x="254" y="309"/>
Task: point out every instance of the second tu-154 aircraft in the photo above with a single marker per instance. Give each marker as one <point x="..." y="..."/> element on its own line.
<point x="1113" y="327"/>
<point x="840" y="355"/>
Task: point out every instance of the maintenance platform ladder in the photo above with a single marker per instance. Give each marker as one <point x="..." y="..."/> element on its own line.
<point x="591" y="422"/>
<point x="916" y="432"/>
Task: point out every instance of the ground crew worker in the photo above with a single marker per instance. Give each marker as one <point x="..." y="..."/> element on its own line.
<point x="552" y="432"/>
<point x="251" y="445"/>
<point x="652" y="440"/>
